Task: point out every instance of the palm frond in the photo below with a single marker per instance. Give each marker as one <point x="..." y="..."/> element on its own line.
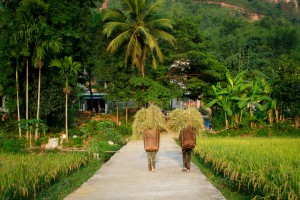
<point x="118" y="41"/>
<point x="111" y="26"/>
<point x="153" y="7"/>
<point x="149" y="40"/>
<point x="159" y="34"/>
<point x="55" y="63"/>
<point x="158" y="53"/>
<point x="154" y="61"/>
<point x="112" y="13"/>
<point x="128" y="5"/>
<point x="136" y="53"/>
<point x="160" y="23"/>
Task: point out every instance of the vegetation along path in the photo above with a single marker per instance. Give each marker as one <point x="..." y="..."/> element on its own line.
<point x="126" y="176"/>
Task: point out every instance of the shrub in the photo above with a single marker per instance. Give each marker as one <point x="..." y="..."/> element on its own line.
<point x="13" y="145"/>
<point x="125" y="130"/>
<point x="75" y="142"/>
<point x="41" y="140"/>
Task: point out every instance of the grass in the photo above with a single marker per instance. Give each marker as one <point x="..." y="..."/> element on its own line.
<point x="218" y="181"/>
<point x="23" y="176"/>
<point x="66" y="185"/>
<point x="258" y="167"/>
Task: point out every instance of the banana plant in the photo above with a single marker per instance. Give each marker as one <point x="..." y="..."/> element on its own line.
<point x="238" y="89"/>
<point x="266" y="103"/>
<point x="222" y="99"/>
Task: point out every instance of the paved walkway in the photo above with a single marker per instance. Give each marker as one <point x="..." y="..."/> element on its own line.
<point x="125" y="176"/>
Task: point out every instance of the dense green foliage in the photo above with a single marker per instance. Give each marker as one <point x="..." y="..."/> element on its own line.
<point x="211" y="40"/>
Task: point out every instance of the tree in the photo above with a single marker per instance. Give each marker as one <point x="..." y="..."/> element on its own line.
<point x="238" y="87"/>
<point x="135" y="24"/>
<point x="25" y="34"/>
<point x="10" y="57"/>
<point x="222" y="99"/>
<point x="191" y="63"/>
<point x="67" y="68"/>
<point x="44" y="41"/>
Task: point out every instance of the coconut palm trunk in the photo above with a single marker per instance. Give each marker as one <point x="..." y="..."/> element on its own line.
<point x="18" y="102"/>
<point x="126" y="114"/>
<point x="117" y="106"/>
<point x="26" y="114"/>
<point x="66" y="113"/>
<point x="90" y="87"/>
<point x="38" y="103"/>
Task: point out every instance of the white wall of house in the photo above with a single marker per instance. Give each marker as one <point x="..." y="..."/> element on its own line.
<point x="2" y="104"/>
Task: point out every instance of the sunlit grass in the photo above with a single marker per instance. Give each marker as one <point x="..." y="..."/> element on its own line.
<point x="24" y="175"/>
<point x="263" y="167"/>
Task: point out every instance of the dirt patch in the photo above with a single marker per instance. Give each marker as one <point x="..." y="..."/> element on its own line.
<point x="86" y="116"/>
<point x="253" y="16"/>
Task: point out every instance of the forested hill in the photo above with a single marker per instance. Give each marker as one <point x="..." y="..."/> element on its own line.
<point x="258" y="8"/>
<point x="255" y="9"/>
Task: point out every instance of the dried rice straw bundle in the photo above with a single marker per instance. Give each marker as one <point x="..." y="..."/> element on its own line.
<point x="180" y="119"/>
<point x="150" y="118"/>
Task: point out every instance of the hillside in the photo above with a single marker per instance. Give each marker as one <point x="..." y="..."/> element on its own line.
<point x="256" y="9"/>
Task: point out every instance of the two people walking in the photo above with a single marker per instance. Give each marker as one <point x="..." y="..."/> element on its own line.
<point x="150" y="122"/>
<point x="187" y="139"/>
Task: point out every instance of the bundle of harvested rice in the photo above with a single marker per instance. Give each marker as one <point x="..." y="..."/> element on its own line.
<point x="148" y="118"/>
<point x="180" y="119"/>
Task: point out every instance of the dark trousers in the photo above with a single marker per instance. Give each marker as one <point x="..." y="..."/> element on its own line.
<point x="186" y="158"/>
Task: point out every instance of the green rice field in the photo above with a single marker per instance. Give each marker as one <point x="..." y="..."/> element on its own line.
<point x="265" y="168"/>
<point x="23" y="176"/>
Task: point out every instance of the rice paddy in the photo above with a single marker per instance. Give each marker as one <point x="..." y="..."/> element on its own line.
<point x="266" y="168"/>
<point x="24" y="175"/>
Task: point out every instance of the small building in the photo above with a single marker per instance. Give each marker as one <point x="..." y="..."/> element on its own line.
<point x="98" y="101"/>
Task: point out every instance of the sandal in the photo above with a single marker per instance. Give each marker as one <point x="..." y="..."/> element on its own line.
<point x="184" y="169"/>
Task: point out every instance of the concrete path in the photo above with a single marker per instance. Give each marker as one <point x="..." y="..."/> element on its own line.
<point x="125" y="176"/>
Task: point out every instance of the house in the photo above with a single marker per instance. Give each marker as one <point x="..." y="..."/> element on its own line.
<point x="99" y="102"/>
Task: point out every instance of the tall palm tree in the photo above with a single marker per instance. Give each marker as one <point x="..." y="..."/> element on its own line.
<point x="43" y="42"/>
<point x="67" y="68"/>
<point x="134" y="23"/>
<point x="24" y="35"/>
<point x="15" y="54"/>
